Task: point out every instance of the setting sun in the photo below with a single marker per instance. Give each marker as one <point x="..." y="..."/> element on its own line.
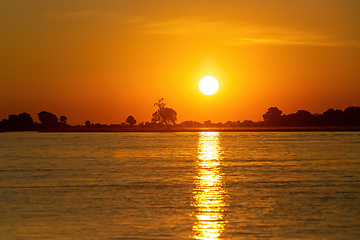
<point x="208" y="85"/>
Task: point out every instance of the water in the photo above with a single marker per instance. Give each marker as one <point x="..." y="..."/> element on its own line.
<point x="303" y="185"/>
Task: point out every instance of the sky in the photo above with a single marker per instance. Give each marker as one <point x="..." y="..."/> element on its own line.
<point x="105" y="60"/>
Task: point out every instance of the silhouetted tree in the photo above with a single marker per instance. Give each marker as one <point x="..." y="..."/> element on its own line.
<point x="298" y="119"/>
<point x="229" y="124"/>
<point x="25" y="120"/>
<point x="332" y="117"/>
<point x="189" y="124"/>
<point x="130" y="120"/>
<point x="47" y="118"/>
<point x="247" y="123"/>
<point x="273" y="116"/>
<point x="303" y="118"/>
<point x="208" y="123"/>
<point x="87" y="123"/>
<point x="63" y="119"/>
<point x="164" y="114"/>
<point x="352" y="116"/>
<point x="13" y="122"/>
<point x="22" y="121"/>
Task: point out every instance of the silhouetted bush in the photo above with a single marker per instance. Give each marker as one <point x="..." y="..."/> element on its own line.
<point x="191" y="124"/>
<point x="130" y="120"/>
<point x="63" y="119"/>
<point x="48" y="119"/>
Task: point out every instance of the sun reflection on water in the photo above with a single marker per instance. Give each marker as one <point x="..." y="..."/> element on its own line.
<point x="209" y="193"/>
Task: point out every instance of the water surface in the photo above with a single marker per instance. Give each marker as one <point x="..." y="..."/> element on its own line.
<point x="302" y="185"/>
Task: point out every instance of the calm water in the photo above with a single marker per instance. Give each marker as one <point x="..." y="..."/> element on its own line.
<point x="180" y="185"/>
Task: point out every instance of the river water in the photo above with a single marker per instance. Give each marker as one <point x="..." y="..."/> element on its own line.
<point x="206" y="185"/>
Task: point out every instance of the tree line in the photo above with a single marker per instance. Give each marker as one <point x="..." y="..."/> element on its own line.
<point x="302" y="118"/>
<point x="274" y="117"/>
<point x="165" y="117"/>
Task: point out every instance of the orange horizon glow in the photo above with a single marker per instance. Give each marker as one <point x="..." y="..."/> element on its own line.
<point x="105" y="61"/>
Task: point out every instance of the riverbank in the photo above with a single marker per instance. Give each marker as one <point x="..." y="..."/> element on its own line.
<point x="178" y="129"/>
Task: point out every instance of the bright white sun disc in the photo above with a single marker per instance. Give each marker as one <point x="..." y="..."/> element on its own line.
<point x="208" y="85"/>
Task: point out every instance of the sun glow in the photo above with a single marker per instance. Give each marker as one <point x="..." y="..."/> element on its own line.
<point x="208" y="85"/>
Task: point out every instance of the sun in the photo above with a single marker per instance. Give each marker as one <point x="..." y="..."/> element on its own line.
<point x="208" y="85"/>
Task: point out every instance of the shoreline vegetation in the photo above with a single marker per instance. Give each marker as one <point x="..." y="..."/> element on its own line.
<point x="164" y="120"/>
<point x="223" y="129"/>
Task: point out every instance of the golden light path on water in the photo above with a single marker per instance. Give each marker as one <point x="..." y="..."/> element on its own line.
<point x="209" y="192"/>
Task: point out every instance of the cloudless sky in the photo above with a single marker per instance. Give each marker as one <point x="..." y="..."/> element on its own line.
<point x="104" y="60"/>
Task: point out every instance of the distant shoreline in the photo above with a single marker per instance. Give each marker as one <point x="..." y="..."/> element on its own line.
<point x="274" y="121"/>
<point x="248" y="129"/>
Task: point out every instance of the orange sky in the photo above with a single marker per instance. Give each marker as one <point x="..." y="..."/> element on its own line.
<point x="104" y="60"/>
